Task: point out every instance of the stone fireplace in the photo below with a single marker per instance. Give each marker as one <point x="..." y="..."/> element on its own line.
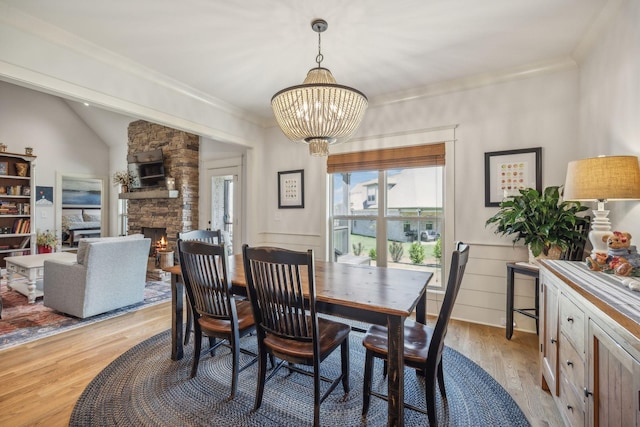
<point x="154" y="208"/>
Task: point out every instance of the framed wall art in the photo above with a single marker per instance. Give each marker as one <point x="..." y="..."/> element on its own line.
<point x="291" y="189"/>
<point x="506" y="172"/>
<point x="4" y="166"/>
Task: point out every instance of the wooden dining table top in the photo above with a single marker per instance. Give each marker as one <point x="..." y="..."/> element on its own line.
<point x="383" y="290"/>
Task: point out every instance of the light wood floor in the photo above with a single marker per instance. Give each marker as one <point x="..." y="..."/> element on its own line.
<point x="41" y="381"/>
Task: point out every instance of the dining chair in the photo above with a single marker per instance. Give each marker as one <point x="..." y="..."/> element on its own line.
<point x="423" y="344"/>
<point x="208" y="236"/>
<point x="282" y="291"/>
<point x="217" y="313"/>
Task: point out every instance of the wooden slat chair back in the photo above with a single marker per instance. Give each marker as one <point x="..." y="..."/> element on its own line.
<point x="209" y="236"/>
<point x="281" y="285"/>
<point x="576" y="248"/>
<point x="217" y="313"/>
<point x="423" y="344"/>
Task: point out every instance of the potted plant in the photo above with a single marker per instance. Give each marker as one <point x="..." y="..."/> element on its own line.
<point x="544" y="222"/>
<point x="124" y="178"/>
<point x="46" y="241"/>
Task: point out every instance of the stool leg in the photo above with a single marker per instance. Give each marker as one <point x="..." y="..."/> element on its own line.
<point x="509" y="325"/>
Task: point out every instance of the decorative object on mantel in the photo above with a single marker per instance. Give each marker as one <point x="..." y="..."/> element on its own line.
<point x="547" y="225"/>
<point x="124" y="178"/>
<point x="46" y="241"/>
<point x="171" y="183"/>
<point x="602" y="179"/>
<point x="3" y="147"/>
<point x="319" y="112"/>
<point x="28" y="151"/>
<point x="620" y="259"/>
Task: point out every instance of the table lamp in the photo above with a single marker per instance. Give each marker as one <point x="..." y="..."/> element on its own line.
<point x="602" y="179"/>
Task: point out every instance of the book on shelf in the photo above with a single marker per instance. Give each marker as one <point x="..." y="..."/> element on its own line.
<point x="21" y="226"/>
<point x="24" y="243"/>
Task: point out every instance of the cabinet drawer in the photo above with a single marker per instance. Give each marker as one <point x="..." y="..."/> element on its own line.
<point x="571" y="363"/>
<point x="572" y="323"/>
<point x="571" y="406"/>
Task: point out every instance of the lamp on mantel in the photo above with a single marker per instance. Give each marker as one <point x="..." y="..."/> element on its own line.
<point x="319" y="112"/>
<point x="602" y="179"/>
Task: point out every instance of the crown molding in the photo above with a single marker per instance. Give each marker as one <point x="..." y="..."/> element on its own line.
<point x="476" y="81"/>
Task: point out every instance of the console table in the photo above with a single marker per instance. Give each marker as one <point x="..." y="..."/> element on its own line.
<point x="589" y="345"/>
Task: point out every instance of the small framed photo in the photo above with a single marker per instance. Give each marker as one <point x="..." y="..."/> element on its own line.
<point x="291" y="189"/>
<point x="4" y="167"/>
<point x="507" y="172"/>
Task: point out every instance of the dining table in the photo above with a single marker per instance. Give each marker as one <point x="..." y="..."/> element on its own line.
<point x="370" y="294"/>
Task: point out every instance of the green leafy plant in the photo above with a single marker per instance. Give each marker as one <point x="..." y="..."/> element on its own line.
<point x="396" y="251"/>
<point x="541" y="221"/>
<point x="416" y="253"/>
<point x="372" y="254"/>
<point x="437" y="249"/>
<point x="357" y="249"/>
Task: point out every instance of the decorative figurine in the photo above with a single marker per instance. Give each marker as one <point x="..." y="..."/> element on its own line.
<point x="621" y="258"/>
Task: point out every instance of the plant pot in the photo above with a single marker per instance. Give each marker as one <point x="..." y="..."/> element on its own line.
<point x="125" y="188"/>
<point x="45" y="249"/>
<point x="553" y="253"/>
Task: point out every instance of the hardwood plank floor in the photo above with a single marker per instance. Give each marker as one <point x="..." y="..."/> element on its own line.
<point x="41" y="381"/>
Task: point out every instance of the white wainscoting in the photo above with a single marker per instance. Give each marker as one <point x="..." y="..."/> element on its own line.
<point x="483" y="295"/>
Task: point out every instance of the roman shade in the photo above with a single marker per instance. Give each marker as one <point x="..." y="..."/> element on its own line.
<point x="388" y="158"/>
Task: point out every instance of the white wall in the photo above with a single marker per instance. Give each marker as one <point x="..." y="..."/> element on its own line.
<point x="538" y="111"/>
<point x="610" y="102"/>
<point x="61" y="141"/>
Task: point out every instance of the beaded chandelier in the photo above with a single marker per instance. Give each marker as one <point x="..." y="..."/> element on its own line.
<point x="319" y="112"/>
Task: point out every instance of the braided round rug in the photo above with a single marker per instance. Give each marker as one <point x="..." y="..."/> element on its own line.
<point x="144" y="387"/>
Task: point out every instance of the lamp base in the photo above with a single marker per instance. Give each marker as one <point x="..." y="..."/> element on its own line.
<point x="600" y="226"/>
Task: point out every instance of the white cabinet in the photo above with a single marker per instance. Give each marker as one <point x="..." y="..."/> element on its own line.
<point x="590" y="345"/>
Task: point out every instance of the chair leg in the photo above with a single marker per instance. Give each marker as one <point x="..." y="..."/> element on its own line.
<point x="262" y="372"/>
<point x="366" y="385"/>
<point x="344" y="348"/>
<point x="187" y="329"/>
<point x="197" y="349"/>
<point x="443" y="392"/>
<point x="235" y="347"/>
<point x="430" y="383"/>
<point x="316" y="394"/>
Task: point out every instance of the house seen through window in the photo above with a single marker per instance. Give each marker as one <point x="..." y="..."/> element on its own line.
<point x="389" y="217"/>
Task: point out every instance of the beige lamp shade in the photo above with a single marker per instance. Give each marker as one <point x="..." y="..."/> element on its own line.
<point x="603" y="178"/>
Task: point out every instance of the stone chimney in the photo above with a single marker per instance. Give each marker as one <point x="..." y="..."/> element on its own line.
<point x="181" y="159"/>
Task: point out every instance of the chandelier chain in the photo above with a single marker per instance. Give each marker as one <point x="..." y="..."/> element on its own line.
<point x="320" y="57"/>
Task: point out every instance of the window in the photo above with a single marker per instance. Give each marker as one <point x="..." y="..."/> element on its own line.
<point x="399" y="227"/>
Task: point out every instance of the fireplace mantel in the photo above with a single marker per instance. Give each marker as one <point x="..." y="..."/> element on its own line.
<point x="152" y="194"/>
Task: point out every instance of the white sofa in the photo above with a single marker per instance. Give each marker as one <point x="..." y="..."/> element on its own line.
<point x="110" y="273"/>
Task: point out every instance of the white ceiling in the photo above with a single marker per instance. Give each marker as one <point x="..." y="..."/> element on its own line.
<point x="243" y="51"/>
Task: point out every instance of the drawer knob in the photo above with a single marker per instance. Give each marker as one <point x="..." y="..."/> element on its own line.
<point x="553" y="341"/>
<point x="569" y="363"/>
<point x="587" y="393"/>
<point x="570" y="319"/>
<point x="569" y="407"/>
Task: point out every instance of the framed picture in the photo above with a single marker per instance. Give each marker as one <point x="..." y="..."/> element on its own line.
<point x="506" y="172"/>
<point x="291" y="189"/>
<point x="4" y="166"/>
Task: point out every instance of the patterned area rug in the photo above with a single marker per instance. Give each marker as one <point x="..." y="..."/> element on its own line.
<point x="22" y="322"/>
<point x="143" y="387"/>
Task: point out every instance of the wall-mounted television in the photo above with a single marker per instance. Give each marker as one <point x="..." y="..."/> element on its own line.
<point x="147" y="168"/>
